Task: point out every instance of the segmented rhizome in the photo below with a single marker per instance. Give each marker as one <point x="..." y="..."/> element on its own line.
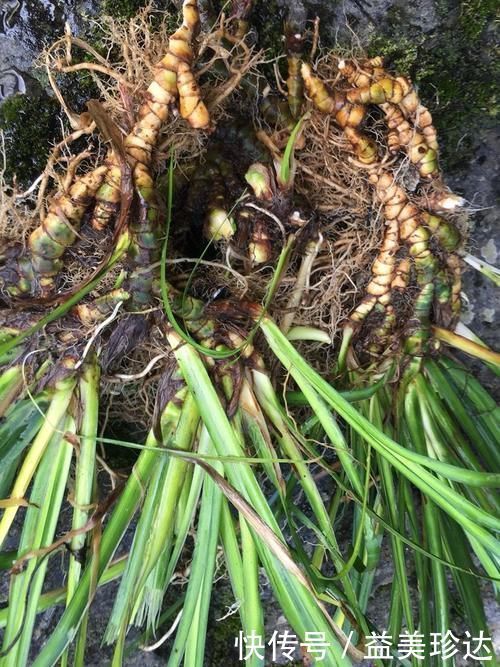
<point x="231" y="262"/>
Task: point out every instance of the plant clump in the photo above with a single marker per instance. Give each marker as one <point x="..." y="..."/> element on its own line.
<point x="264" y="275"/>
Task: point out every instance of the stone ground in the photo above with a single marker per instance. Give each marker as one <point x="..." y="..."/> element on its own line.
<point x="427" y="39"/>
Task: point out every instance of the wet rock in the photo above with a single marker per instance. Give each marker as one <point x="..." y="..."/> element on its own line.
<point x="11" y="82"/>
<point x="26" y="26"/>
<point x="489" y="251"/>
<point x="479" y="183"/>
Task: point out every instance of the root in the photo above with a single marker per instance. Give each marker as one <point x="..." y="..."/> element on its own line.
<point x="359" y="185"/>
<point x="133" y="400"/>
<point x="134" y="47"/>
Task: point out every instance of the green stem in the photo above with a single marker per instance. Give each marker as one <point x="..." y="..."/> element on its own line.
<point x="38" y="532"/>
<point x="450" y="501"/>
<point x="121" y="517"/>
<point x="57" y="409"/>
<point x="299" y="604"/>
<point x="84" y="486"/>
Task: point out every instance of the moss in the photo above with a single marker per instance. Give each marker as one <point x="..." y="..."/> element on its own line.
<point x="222" y="633"/>
<point x="475" y="16"/>
<point x="268" y="19"/>
<point x="31" y="126"/>
<point x="122" y="8"/>
<point x="78" y="88"/>
<point x="126" y="9"/>
<point x="454" y="69"/>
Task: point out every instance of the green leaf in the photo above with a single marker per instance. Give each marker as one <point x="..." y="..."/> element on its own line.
<point x="17" y="430"/>
<point x="407" y="462"/>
